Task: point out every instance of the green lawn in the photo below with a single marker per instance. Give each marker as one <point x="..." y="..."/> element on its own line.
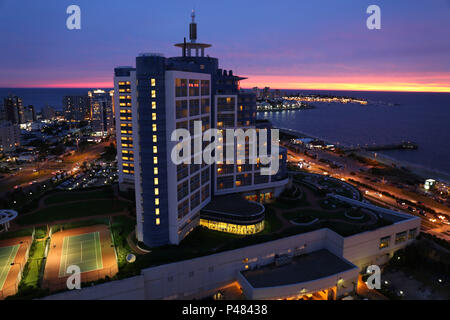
<point x="33" y="266"/>
<point x="75" y="210"/>
<point x="271" y="222"/>
<point x="322" y="214"/>
<point x="70" y="196"/>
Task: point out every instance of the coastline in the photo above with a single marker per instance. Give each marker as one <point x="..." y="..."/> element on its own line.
<point x="424" y="172"/>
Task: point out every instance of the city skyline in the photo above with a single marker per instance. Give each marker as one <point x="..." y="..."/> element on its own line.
<point x="195" y="174"/>
<point x="324" y="46"/>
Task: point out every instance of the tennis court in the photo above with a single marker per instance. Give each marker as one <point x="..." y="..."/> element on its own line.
<point x="7" y="256"/>
<point x="83" y="250"/>
<point x="89" y="248"/>
<point x="13" y="258"/>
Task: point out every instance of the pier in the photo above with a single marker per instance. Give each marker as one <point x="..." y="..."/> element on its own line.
<point x="404" y="145"/>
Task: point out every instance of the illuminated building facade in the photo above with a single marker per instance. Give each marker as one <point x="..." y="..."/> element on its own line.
<point x="13" y="109"/>
<point x="76" y="108"/>
<point x="102" y="116"/>
<point x="151" y="101"/>
<point x="9" y="136"/>
<point x="125" y="106"/>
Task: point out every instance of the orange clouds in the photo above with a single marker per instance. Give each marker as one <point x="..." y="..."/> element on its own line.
<point x="425" y="83"/>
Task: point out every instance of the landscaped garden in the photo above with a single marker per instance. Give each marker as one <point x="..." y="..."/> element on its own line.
<point x="73" y="211"/>
<point x="73" y="196"/>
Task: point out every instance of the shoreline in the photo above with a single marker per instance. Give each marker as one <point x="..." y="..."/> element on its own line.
<point x="424" y="172"/>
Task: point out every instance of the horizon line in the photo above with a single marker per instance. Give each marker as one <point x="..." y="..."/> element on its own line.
<point x="250" y="88"/>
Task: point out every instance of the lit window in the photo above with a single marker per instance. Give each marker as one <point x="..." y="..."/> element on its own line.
<point x="155" y="149"/>
<point x="155" y="138"/>
<point x="157" y="211"/>
<point x="154" y="127"/>
<point x="157" y="202"/>
<point x="153" y="104"/>
<point x="156" y="191"/>
<point x="153" y="82"/>
<point x="155" y="160"/>
<point x="153" y="93"/>
<point x="155" y="171"/>
<point x="153" y="116"/>
<point x="158" y="221"/>
<point x="156" y="181"/>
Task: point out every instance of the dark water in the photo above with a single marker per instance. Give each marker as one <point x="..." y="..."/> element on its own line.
<point x="423" y="118"/>
<point x="41" y="97"/>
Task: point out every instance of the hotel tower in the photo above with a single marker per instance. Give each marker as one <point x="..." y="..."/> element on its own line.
<point x="160" y="95"/>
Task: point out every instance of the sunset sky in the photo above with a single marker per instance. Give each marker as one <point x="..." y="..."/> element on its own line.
<point x="290" y="44"/>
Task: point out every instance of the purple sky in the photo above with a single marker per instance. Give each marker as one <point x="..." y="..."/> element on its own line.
<point x="322" y="44"/>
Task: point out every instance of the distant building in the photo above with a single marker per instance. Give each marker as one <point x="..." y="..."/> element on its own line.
<point x="266" y="93"/>
<point x="76" y="108"/>
<point x="48" y="113"/>
<point x="13" y="109"/>
<point x="102" y="115"/>
<point x="257" y="92"/>
<point x="29" y="114"/>
<point x="9" y="136"/>
<point x="277" y="94"/>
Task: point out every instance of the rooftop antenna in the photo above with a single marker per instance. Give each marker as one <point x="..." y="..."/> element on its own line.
<point x="192" y="47"/>
<point x="193" y="28"/>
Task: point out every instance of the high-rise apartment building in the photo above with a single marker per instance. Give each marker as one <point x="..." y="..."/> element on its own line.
<point x="13" y="109"/>
<point x="29" y="114"/>
<point x="9" y="136"/>
<point x="125" y="109"/>
<point x="76" y="108"/>
<point x="102" y="115"/>
<point x="161" y="95"/>
<point x="48" y="113"/>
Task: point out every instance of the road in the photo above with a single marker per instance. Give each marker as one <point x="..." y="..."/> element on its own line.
<point x="351" y="170"/>
<point x="32" y="173"/>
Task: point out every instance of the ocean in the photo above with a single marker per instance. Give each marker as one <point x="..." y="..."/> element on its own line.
<point x="390" y="117"/>
<point x="40" y="97"/>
